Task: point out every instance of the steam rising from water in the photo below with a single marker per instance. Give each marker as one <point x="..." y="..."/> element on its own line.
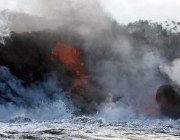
<point x="172" y="70"/>
<point x="127" y="69"/>
<point x="4" y="26"/>
<point x="37" y="96"/>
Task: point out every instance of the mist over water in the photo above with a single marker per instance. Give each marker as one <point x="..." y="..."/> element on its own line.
<point x="127" y="61"/>
<point x="36" y="99"/>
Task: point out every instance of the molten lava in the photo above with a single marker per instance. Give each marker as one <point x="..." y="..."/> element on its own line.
<point x="69" y="55"/>
<point x="83" y="85"/>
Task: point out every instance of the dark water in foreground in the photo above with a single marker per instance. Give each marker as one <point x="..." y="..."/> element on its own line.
<point x="80" y="128"/>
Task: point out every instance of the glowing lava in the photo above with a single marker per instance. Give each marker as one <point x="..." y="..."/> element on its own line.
<point x="69" y="55"/>
<point x="83" y="85"/>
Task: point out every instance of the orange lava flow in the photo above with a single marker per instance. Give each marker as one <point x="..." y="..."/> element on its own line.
<point x="69" y="55"/>
<point x="83" y="85"/>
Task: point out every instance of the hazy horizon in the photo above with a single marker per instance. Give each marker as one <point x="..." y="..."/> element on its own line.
<point x="122" y="11"/>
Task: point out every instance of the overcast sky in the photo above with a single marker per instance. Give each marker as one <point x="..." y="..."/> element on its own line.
<point x="124" y="11"/>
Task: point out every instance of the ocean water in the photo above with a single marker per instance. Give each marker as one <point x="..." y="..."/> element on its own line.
<point x="79" y="128"/>
<point x="57" y="122"/>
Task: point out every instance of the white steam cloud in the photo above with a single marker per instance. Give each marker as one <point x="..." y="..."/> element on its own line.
<point x="173" y="70"/>
<point x="84" y="16"/>
<point x="4" y="26"/>
<point x="35" y="97"/>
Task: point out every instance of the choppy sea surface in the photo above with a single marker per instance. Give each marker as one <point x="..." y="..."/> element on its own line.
<point x="90" y="128"/>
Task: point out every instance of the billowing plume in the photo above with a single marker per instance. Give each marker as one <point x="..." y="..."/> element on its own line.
<point x="82" y="16"/>
<point x="4" y="26"/>
<point x="172" y="70"/>
<point x="121" y="62"/>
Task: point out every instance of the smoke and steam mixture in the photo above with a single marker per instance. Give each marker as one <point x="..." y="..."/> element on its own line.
<point x="70" y="71"/>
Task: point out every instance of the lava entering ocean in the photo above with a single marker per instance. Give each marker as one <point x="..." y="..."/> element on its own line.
<point x="119" y="64"/>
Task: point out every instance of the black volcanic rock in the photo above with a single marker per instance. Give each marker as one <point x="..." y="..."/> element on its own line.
<point x="168" y="98"/>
